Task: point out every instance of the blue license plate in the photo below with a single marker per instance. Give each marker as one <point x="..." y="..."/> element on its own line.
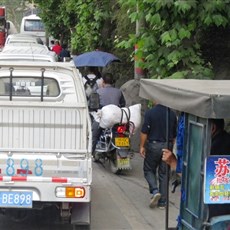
<point x="16" y="199"/>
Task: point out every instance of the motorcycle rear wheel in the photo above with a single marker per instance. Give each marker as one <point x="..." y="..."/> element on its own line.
<point x="113" y="164"/>
<point x="113" y="168"/>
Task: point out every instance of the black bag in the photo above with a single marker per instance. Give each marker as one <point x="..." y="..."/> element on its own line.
<point x="94" y="101"/>
<point x="92" y="96"/>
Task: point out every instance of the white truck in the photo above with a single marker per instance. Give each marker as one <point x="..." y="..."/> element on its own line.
<point x="45" y="141"/>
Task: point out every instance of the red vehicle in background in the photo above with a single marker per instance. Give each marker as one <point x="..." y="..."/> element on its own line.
<point x="4" y="26"/>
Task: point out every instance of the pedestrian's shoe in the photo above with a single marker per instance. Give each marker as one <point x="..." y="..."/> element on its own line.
<point x="154" y="200"/>
<point x="161" y="205"/>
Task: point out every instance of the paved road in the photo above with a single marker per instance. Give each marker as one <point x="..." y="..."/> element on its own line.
<point x="118" y="202"/>
<point x="126" y="201"/>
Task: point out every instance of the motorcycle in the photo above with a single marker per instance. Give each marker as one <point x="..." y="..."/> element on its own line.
<point x="114" y="146"/>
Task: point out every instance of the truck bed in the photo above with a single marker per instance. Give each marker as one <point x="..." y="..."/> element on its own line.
<point x="42" y="128"/>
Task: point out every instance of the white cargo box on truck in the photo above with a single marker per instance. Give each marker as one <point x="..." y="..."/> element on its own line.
<point x="45" y="139"/>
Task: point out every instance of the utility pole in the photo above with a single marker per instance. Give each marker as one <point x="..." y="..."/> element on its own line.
<point x="138" y="71"/>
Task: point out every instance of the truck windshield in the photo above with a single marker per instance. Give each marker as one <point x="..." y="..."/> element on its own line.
<point x="29" y="86"/>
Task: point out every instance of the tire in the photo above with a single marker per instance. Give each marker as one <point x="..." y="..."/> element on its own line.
<point x="113" y="164"/>
<point x="113" y="167"/>
<point x="96" y="157"/>
<point x="18" y="215"/>
<point x="81" y="227"/>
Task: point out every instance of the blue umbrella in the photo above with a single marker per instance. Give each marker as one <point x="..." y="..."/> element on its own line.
<point x="95" y="58"/>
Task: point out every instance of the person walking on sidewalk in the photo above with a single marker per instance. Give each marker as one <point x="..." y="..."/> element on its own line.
<point x="152" y="141"/>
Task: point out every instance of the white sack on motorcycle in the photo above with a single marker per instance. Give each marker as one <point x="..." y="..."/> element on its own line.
<point x="112" y="114"/>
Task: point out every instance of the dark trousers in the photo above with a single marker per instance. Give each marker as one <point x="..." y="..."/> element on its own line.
<point x="96" y="132"/>
<point x="152" y="164"/>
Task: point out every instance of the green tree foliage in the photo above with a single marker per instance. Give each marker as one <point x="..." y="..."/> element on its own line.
<point x="123" y="27"/>
<point x="88" y="25"/>
<point x="178" y="39"/>
<point x="102" y="24"/>
<point x="172" y="40"/>
<point x="95" y="25"/>
<point x="58" y="21"/>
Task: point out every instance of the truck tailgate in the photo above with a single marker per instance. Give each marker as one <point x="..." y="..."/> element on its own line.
<point x="57" y="128"/>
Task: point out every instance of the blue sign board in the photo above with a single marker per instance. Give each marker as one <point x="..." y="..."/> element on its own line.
<point x="217" y="180"/>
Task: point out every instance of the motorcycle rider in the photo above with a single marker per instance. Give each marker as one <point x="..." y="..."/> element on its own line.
<point x="108" y="94"/>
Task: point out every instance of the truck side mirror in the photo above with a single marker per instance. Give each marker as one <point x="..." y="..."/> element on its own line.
<point x="7" y="25"/>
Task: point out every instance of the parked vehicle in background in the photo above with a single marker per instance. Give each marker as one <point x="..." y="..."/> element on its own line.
<point x="33" y="25"/>
<point x="23" y="38"/>
<point x="11" y="28"/>
<point x="27" y="52"/>
<point x="45" y="155"/>
<point x="4" y="26"/>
